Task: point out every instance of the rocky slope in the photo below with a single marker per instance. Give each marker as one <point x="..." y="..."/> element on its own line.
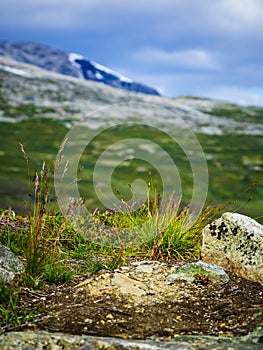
<point x="64" y="97"/>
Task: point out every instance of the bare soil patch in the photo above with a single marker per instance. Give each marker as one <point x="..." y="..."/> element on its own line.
<point x="228" y="309"/>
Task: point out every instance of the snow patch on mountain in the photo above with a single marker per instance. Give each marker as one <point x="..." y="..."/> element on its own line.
<point x="98" y="75"/>
<point x="73" y="57"/>
<point x="16" y="71"/>
<point x="112" y="72"/>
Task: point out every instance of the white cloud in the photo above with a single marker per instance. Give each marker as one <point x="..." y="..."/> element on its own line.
<point x="237" y="95"/>
<point x="241" y="15"/>
<point x="173" y="83"/>
<point x="166" y="19"/>
<point x="187" y="59"/>
<point x="181" y="46"/>
<point x="50" y="14"/>
<point x="198" y="84"/>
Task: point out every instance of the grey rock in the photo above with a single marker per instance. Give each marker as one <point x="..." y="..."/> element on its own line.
<point x="6" y="276"/>
<point x="142" y="282"/>
<point x="187" y="272"/>
<point x="57" y="341"/>
<point x="10" y="265"/>
<point x="235" y="242"/>
<point x="145" y="266"/>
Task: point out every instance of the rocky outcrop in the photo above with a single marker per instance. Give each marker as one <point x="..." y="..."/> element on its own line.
<point x="235" y="242"/>
<point x="149" y="282"/>
<point x="10" y="265"/>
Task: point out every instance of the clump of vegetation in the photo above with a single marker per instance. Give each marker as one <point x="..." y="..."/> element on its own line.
<point x="49" y="240"/>
<point x="167" y="236"/>
<point x="178" y="243"/>
<point x="54" y="253"/>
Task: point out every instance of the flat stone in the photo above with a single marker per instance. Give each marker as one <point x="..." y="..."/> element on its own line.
<point x="10" y="265"/>
<point x="187" y="272"/>
<point x="128" y="285"/>
<point x="58" y="341"/>
<point x="144" y="268"/>
<point x="235" y="242"/>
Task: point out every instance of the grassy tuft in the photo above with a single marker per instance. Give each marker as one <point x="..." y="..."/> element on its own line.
<point x="177" y="241"/>
<point x="162" y="232"/>
<point x="44" y="231"/>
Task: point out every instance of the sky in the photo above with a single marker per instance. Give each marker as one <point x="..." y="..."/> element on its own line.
<point x="206" y="48"/>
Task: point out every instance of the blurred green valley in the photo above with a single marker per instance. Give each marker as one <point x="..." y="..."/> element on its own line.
<point x="38" y="108"/>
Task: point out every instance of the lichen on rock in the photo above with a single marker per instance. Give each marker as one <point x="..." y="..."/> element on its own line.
<point x="190" y="272"/>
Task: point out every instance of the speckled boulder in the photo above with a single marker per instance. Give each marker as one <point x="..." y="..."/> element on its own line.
<point x="235" y="242"/>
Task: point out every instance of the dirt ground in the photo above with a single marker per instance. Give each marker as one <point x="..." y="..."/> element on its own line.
<point x="229" y="309"/>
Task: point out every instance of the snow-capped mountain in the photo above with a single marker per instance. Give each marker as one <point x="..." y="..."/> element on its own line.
<point x="71" y="64"/>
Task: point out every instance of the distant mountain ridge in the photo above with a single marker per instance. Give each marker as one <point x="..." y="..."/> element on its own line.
<point x="71" y="64"/>
<point x="57" y="96"/>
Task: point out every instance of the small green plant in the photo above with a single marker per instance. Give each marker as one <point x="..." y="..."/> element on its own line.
<point x="95" y="266"/>
<point x="33" y="282"/>
<point x="9" y="313"/>
<point x="8" y="305"/>
<point x="6" y="292"/>
<point x="13" y="313"/>
<point x="57" y="273"/>
<point x="11" y="231"/>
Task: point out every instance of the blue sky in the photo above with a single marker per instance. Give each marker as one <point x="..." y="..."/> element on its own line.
<point x="211" y="48"/>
